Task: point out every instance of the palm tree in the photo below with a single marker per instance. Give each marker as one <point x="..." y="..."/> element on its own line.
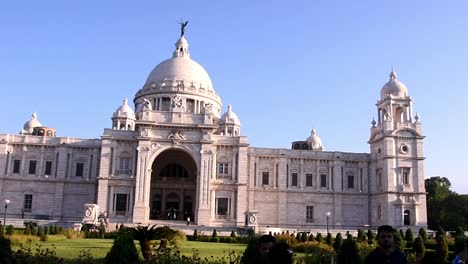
<point x="144" y="235"/>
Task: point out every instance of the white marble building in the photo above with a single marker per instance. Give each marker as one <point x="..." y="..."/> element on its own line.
<point x="176" y="155"/>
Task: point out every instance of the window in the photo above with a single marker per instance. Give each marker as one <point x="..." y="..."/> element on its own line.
<point x="223" y="168"/>
<point x="265" y="178"/>
<point x="48" y="168"/>
<point x="323" y="180"/>
<point x="379" y="177"/>
<point x="124" y="165"/>
<point x="79" y="169"/>
<point x="222" y="207"/>
<point x="406" y="217"/>
<point x="309" y="214"/>
<point x="350" y="181"/>
<point x="309" y="180"/>
<point x="405" y="172"/>
<point x="32" y="166"/>
<point x="16" y="166"/>
<point x="379" y="212"/>
<point x="120" y="201"/>
<point x="27" y="207"/>
<point x="294" y="179"/>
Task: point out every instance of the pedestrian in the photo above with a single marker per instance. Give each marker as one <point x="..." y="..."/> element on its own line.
<point x="461" y="250"/>
<point x="386" y="252"/>
<point x="188" y="220"/>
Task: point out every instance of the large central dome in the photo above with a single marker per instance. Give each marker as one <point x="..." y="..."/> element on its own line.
<point x="181" y="68"/>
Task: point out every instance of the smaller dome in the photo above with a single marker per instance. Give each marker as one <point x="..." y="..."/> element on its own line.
<point x="124" y="110"/>
<point x="31" y="124"/>
<point x="315" y="141"/>
<point x="393" y="87"/>
<point x="229" y="117"/>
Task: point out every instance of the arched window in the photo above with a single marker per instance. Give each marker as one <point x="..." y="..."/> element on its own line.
<point x="406" y="217"/>
<point x="297" y="146"/>
<point x="305" y="146"/>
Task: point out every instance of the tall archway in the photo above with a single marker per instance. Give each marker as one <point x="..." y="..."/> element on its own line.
<point x="407" y="217"/>
<point x="173" y="186"/>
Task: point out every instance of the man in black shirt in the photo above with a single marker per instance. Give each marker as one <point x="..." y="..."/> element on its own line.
<point x="385" y="253"/>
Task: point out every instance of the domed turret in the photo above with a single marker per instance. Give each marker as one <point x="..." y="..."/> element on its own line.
<point x="229" y="117"/>
<point x="124" y="117"/>
<point x="124" y="110"/>
<point x="29" y="126"/>
<point x="229" y="123"/>
<point x="394" y="87"/>
<point x="314" y="141"/>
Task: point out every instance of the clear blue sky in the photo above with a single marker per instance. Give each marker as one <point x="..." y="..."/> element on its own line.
<point x="285" y="66"/>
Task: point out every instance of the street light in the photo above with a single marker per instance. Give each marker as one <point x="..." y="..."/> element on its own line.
<point x="4" y="215"/>
<point x="328" y="215"/>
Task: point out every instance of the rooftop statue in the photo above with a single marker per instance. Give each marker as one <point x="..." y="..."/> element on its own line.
<point x="182" y="27"/>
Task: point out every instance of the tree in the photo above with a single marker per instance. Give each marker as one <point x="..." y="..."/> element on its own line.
<point x="361" y="236"/>
<point x="144" y="235"/>
<point x="329" y="239"/>
<point x="319" y="237"/>
<point x="437" y="188"/>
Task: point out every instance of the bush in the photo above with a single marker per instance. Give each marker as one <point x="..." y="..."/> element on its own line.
<point x="10" y="230"/>
<point x="290" y="240"/>
<point x="319" y="237"/>
<point x="195" y="235"/>
<point x="123" y="250"/>
<point x="27" y="230"/>
<point x="398" y="240"/>
<point x="329" y="239"/>
<point x="46" y="230"/>
<point x="338" y="242"/>
<point x="304" y="237"/>
<point x="310" y="247"/>
<point x="422" y="233"/>
<point x="102" y="230"/>
<point x="214" y="234"/>
<point x="72" y="234"/>
<point x="40" y="231"/>
<point x="311" y="237"/>
<point x="44" y="238"/>
<point x="233" y="234"/>
<point x="349" y="252"/>
<point x="2" y="231"/>
<point x="370" y="237"/>
<point x="409" y="235"/>
<point x="5" y="250"/>
<point x="442" y="249"/>
<point x="419" y="248"/>
<point x="361" y="236"/>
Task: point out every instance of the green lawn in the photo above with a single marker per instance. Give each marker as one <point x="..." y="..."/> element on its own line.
<point x="71" y="248"/>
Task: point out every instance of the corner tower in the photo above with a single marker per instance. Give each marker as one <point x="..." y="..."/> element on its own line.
<point x="396" y="183"/>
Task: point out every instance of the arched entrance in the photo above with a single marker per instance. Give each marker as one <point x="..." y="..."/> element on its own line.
<point x="173" y="186"/>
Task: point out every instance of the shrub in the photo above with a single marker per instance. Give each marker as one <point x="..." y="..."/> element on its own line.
<point x="72" y="234"/>
<point x="214" y="234"/>
<point x="27" y="230"/>
<point x="319" y="237"/>
<point x="102" y="230"/>
<point x="2" y="231"/>
<point x="419" y="248"/>
<point x="338" y="242"/>
<point x="290" y="240"/>
<point x="422" y="233"/>
<point x="370" y="237"/>
<point x="311" y="237"/>
<point x="123" y="250"/>
<point x="46" y="230"/>
<point x="10" y="230"/>
<point x="409" y="235"/>
<point x="44" y="238"/>
<point x="233" y="234"/>
<point x="398" y="240"/>
<point x="304" y="237"/>
<point x="349" y="252"/>
<point x="299" y="237"/>
<point x="5" y="250"/>
<point x="195" y="235"/>
<point x="40" y="231"/>
<point x="440" y="232"/>
<point x="361" y="236"/>
<point x="329" y="239"/>
<point x="442" y="249"/>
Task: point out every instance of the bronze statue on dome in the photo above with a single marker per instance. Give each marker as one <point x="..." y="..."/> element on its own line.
<point x="182" y="27"/>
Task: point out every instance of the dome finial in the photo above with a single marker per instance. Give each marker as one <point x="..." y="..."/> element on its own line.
<point x="393" y="74"/>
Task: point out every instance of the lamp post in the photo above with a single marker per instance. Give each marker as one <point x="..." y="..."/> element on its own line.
<point x="4" y="215"/>
<point x="328" y="215"/>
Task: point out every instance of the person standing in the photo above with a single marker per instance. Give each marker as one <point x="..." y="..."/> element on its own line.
<point x="188" y="220"/>
<point x="386" y="251"/>
<point x="462" y="251"/>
